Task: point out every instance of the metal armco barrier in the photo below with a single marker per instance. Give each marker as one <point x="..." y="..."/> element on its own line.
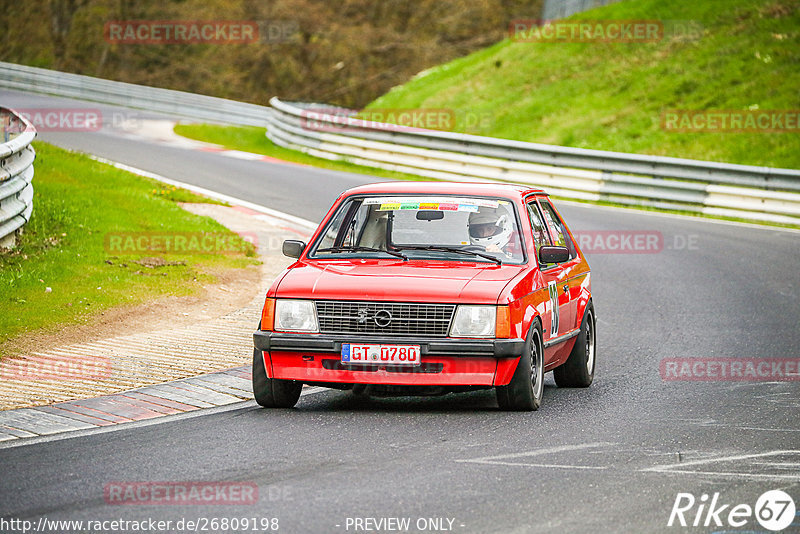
<point x="556" y="9"/>
<point x="16" y="175"/>
<point x="717" y="189"/>
<point x="178" y="103"/>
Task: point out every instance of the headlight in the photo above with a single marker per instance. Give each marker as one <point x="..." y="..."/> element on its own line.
<point x="295" y="316"/>
<point x="474" y="321"/>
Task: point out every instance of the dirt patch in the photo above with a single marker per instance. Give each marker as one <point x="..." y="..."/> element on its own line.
<point x="152" y="263"/>
<point x="233" y="290"/>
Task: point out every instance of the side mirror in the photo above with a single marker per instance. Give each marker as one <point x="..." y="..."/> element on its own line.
<point x="553" y="254"/>
<point x="293" y="249"/>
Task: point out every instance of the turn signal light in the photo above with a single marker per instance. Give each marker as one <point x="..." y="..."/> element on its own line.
<point x="502" y="328"/>
<point x="268" y="315"/>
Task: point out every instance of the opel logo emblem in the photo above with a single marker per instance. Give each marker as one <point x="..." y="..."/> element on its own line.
<point x="382" y="318"/>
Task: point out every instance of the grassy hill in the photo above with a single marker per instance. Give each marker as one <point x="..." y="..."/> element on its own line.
<point x="611" y="96"/>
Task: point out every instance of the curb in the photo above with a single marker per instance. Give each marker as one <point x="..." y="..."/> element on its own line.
<point x="202" y="392"/>
<point x="210" y="390"/>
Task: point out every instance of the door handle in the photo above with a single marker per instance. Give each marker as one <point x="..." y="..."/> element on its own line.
<point x="566" y="288"/>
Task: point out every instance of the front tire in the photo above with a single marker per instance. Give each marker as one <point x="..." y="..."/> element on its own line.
<point x="272" y="392"/>
<point x="578" y="370"/>
<point x="524" y="392"/>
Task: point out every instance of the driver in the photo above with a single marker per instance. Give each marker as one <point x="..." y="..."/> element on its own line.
<point x="490" y="228"/>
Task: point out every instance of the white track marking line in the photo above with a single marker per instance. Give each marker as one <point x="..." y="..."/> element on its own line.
<point x="250" y="403"/>
<point x="775" y="464"/>
<point x="498" y="460"/>
<point x="539" y="452"/>
<point x="723" y="459"/>
<point x="680" y="468"/>
<point x="519" y="464"/>
<point x="305" y="223"/>
<point x="758" y="429"/>
<point x="754" y="476"/>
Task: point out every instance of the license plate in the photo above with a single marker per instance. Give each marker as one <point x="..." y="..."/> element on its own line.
<point x="380" y="354"/>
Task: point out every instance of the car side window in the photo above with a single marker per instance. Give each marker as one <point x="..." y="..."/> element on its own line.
<point x="334" y="227"/>
<point x="559" y="232"/>
<point x="355" y="229"/>
<point x="538" y="228"/>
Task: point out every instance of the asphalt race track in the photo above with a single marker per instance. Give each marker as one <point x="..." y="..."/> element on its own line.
<point x="611" y="458"/>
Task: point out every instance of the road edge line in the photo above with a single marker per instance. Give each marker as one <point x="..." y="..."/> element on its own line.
<point x="305" y="223"/>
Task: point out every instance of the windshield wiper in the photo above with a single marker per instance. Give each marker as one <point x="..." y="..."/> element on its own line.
<point x="364" y="249"/>
<point x="452" y="249"/>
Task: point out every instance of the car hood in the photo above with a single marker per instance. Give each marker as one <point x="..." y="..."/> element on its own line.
<point x="387" y="280"/>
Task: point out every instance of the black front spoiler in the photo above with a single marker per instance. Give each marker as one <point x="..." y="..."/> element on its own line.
<point x="494" y="348"/>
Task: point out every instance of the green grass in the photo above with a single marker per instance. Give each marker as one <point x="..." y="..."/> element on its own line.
<point x="253" y="139"/>
<point x="611" y="96"/>
<point x="178" y="194"/>
<point x="79" y="203"/>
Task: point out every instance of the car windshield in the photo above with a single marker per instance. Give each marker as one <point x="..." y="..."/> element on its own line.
<point x="475" y="229"/>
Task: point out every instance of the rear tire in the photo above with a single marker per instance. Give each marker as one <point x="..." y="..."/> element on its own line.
<point x="578" y="370"/>
<point x="525" y="391"/>
<point x="271" y="392"/>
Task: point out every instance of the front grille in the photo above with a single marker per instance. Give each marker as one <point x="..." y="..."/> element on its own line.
<point x="386" y="318"/>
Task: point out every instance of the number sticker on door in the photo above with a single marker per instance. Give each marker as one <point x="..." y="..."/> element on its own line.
<point x="553" y="289"/>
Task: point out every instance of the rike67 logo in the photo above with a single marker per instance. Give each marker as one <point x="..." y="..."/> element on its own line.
<point x="774" y="510"/>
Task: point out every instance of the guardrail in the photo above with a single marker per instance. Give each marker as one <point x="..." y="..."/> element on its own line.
<point x="717" y="189"/>
<point x="16" y="174"/>
<point x="176" y="103"/>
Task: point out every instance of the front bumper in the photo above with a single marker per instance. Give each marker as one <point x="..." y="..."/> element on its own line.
<point x="316" y="358"/>
<point x="317" y="343"/>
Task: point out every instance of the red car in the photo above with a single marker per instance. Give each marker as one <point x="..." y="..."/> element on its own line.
<point x="427" y="288"/>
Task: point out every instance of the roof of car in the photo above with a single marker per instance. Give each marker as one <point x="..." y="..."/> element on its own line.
<point x="448" y="188"/>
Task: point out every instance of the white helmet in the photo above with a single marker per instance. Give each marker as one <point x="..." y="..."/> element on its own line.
<point x="490" y="227"/>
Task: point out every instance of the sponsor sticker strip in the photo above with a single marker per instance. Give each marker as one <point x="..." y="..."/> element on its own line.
<point x="471" y="205"/>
